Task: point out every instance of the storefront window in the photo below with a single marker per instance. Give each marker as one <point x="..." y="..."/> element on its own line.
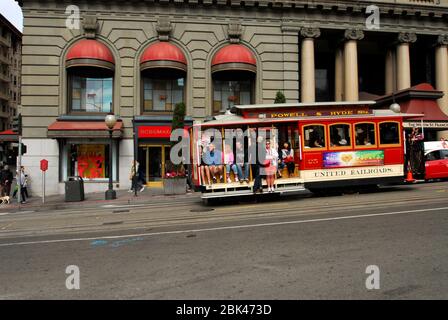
<point x="226" y="94"/>
<point x="162" y="94"/>
<point x="89" y="161"/>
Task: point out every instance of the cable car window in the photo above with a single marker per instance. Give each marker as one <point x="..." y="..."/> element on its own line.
<point x="314" y="136"/>
<point x="365" y="134"/>
<point x="340" y="135"/>
<point x="389" y="133"/>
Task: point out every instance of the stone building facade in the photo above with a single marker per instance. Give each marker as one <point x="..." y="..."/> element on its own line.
<point x="139" y="58"/>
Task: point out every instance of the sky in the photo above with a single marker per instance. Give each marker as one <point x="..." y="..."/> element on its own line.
<point x="11" y="10"/>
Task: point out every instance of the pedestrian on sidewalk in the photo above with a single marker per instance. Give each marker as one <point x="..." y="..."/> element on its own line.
<point x="25" y="185"/>
<point x="136" y="176"/>
<point x="20" y="178"/>
<point x="6" y="181"/>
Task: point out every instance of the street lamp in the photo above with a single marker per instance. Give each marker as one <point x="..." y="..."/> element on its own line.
<point x="110" y="120"/>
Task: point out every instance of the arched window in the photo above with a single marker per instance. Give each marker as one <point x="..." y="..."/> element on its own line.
<point x="163" y="71"/>
<point x="90" y="74"/>
<point x="233" y="75"/>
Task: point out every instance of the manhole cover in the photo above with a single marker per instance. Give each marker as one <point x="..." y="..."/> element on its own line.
<point x="202" y="210"/>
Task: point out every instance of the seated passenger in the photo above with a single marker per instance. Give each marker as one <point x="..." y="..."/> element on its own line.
<point x="213" y="159"/>
<point x="240" y="162"/>
<point x="315" y="140"/>
<point x="229" y="161"/>
<point x="287" y="159"/>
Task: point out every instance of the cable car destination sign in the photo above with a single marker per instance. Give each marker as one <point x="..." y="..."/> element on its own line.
<point x="297" y="113"/>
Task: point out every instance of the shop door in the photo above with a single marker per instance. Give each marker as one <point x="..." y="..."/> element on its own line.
<point x="155" y="167"/>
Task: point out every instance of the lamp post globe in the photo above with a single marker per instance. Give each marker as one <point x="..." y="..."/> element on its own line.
<point x="395" y="107"/>
<point x="110" y="121"/>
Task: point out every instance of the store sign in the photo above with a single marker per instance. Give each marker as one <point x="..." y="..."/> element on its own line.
<point x="353" y="158"/>
<point x="433" y="125"/>
<point x="308" y="113"/>
<point x="154" y="132"/>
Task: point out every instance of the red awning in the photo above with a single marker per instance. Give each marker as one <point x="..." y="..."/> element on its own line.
<point x="83" y="129"/>
<point x="163" y="54"/>
<point x="9" y="136"/>
<point x="234" y="57"/>
<point x="89" y="52"/>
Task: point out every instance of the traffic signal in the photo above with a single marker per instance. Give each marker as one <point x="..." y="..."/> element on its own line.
<point x="15" y="150"/>
<point x="23" y="149"/>
<point x="17" y="124"/>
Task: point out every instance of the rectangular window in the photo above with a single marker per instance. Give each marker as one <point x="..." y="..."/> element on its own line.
<point x="340" y="136"/>
<point x="365" y="134"/>
<point x="229" y="93"/>
<point x="389" y="133"/>
<point x="162" y="94"/>
<point x="91" y="94"/>
<point x="90" y="161"/>
<point x="314" y="136"/>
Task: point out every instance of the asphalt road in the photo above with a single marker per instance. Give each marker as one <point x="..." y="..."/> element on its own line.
<point x="289" y="248"/>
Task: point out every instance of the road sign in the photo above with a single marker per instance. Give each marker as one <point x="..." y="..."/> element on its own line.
<point x="44" y="165"/>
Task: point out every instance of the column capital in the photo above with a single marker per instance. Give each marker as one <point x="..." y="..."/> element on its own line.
<point x="310" y="32"/>
<point x="353" y="34"/>
<point x="442" y="40"/>
<point x="407" y="37"/>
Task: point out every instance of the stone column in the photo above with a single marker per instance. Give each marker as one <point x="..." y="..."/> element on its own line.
<point x="339" y="75"/>
<point x="351" y="87"/>
<point x="442" y="71"/>
<point x="307" y="72"/>
<point x="403" y="59"/>
<point x="390" y="79"/>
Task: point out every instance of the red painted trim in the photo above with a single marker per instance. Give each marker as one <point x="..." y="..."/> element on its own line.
<point x="82" y="125"/>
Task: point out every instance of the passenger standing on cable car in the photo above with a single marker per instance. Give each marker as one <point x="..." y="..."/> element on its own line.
<point x="271" y="165"/>
<point x="259" y="166"/>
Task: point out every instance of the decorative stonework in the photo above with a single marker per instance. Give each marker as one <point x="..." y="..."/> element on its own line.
<point x="353" y="34"/>
<point x="442" y="40"/>
<point x="90" y="26"/>
<point x="235" y="32"/>
<point x="407" y="37"/>
<point x="310" y="32"/>
<point x="164" y="28"/>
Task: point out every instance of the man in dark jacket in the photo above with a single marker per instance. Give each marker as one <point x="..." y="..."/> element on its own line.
<point x="6" y="181"/>
<point x="259" y="166"/>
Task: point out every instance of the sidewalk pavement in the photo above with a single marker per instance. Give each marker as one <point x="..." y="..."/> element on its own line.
<point x="57" y="202"/>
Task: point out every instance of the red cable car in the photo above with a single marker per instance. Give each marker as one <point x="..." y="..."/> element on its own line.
<point x="334" y="145"/>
